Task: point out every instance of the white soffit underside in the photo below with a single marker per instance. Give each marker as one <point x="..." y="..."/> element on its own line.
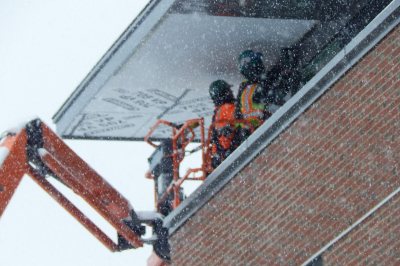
<point x="168" y="74"/>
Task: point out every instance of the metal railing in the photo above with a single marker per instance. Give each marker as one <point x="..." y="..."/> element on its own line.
<point x="181" y="136"/>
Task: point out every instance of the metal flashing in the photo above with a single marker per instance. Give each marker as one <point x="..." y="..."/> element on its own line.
<point x="353" y="226"/>
<point x="379" y="27"/>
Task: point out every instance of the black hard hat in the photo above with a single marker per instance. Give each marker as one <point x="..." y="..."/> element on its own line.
<point x="220" y="92"/>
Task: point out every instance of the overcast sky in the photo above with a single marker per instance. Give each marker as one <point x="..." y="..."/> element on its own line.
<point x="46" y="48"/>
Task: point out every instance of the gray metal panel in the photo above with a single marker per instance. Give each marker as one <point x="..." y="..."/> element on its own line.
<point x="283" y="117"/>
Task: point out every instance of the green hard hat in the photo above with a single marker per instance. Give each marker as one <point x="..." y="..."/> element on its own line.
<point x="251" y="64"/>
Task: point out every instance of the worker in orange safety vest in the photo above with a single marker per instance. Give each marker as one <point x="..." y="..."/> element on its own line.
<point x="254" y="95"/>
<point x="223" y="138"/>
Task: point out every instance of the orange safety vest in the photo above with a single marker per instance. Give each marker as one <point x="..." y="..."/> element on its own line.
<point x="224" y="117"/>
<point x="251" y="112"/>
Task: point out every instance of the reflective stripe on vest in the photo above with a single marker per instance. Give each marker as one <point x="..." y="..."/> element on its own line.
<point x="248" y="110"/>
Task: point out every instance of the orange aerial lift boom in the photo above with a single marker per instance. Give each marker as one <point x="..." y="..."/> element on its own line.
<point x="37" y="151"/>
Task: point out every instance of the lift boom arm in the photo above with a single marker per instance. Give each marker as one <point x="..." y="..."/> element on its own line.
<point x="37" y="151"/>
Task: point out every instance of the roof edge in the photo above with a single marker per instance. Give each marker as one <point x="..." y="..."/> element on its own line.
<point x="111" y="61"/>
<point x="363" y="42"/>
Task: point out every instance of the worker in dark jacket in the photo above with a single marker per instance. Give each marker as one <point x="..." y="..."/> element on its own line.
<point x="223" y="141"/>
<point x="254" y="94"/>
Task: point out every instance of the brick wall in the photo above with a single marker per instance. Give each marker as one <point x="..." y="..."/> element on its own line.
<point x="374" y="242"/>
<point x="333" y="164"/>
